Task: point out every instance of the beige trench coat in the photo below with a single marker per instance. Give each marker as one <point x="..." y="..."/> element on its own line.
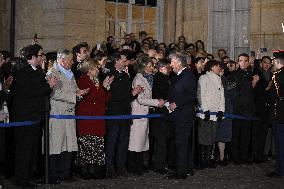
<point x="63" y="99"/>
<point x="139" y="130"/>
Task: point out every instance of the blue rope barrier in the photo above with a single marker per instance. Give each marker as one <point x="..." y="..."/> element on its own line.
<point x="230" y="116"/>
<point x="57" y="116"/>
<point x="105" y="117"/>
<point x="18" y="124"/>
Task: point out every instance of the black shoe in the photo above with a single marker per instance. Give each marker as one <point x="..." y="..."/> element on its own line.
<point x="69" y="179"/>
<point x="176" y="176"/>
<point x="26" y="184"/>
<point x="247" y="161"/>
<point x="274" y="175"/>
<point x="85" y="176"/>
<point x="160" y="171"/>
<point x="223" y="163"/>
<point x="121" y="172"/>
<point x="211" y="163"/>
<point x="190" y="173"/>
<point x="237" y="162"/>
<point x="110" y="173"/>
<point x="54" y="181"/>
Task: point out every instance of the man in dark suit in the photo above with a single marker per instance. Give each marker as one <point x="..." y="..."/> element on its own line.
<point x="182" y="95"/>
<point x="30" y="91"/>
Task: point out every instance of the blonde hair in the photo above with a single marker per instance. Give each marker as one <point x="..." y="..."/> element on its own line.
<point x="89" y="64"/>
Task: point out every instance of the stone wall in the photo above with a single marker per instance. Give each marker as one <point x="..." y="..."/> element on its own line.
<point x="60" y="23"/>
<point x="266" y="29"/>
<point x="186" y="17"/>
<point x="64" y="23"/>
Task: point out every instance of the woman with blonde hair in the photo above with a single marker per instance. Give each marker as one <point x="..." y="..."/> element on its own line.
<point x="91" y="154"/>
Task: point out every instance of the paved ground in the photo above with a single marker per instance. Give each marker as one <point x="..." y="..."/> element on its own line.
<point x="244" y="176"/>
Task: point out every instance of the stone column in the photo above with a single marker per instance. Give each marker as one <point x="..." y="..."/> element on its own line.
<point x="169" y="21"/>
<point x="5" y="24"/>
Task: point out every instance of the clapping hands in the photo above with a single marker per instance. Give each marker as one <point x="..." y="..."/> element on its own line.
<point x="137" y="90"/>
<point x="161" y="103"/>
<point x="82" y="92"/>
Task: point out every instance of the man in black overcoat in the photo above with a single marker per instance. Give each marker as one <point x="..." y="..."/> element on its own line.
<point x="30" y="93"/>
<point x="182" y="95"/>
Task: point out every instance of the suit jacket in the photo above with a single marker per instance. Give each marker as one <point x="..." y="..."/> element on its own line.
<point x="30" y="92"/>
<point x="243" y="102"/>
<point x="183" y="93"/>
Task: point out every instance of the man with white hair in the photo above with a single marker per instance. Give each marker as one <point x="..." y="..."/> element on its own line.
<point x="62" y="132"/>
<point x="182" y="95"/>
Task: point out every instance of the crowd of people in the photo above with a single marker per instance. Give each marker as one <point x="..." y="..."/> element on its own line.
<point x="193" y="91"/>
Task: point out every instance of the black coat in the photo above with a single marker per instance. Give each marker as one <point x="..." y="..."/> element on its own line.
<point x="121" y="95"/>
<point x="262" y="105"/>
<point x="183" y="93"/>
<point x="161" y="127"/>
<point x="277" y="96"/>
<point x="3" y="96"/>
<point x="30" y="93"/>
<point x="243" y="101"/>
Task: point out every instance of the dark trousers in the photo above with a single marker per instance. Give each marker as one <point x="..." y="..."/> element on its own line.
<point x="162" y="143"/>
<point x="259" y="133"/>
<point x="241" y="138"/>
<point x="27" y="141"/>
<point x="117" y="143"/>
<point x="60" y="166"/>
<point x="184" y="161"/>
<point x="2" y="143"/>
<point x="278" y="134"/>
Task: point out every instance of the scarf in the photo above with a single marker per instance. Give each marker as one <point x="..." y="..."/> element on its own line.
<point x="68" y="73"/>
<point x="149" y="78"/>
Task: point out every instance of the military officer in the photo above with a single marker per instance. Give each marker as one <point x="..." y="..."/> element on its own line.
<point x="277" y="94"/>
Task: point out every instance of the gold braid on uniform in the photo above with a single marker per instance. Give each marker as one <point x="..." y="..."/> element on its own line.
<point x="277" y="90"/>
<point x="275" y="83"/>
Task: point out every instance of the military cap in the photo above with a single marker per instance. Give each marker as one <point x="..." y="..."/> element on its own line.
<point x="278" y="54"/>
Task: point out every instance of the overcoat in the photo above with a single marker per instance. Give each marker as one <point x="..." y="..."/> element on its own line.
<point x="62" y="132"/>
<point x="139" y="140"/>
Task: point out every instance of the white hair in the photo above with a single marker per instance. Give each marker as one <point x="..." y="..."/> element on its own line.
<point x="62" y="54"/>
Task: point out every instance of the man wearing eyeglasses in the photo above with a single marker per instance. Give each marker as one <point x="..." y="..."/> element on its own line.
<point x="80" y="53"/>
<point x="30" y="91"/>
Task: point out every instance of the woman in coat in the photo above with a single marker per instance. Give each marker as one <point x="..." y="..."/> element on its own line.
<point x="139" y="140"/>
<point x="91" y="154"/>
<point x="210" y="95"/>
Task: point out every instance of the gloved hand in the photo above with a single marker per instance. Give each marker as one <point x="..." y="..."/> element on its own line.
<point x="206" y="116"/>
<point x="219" y="116"/>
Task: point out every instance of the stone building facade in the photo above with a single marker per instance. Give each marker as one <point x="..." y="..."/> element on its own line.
<point x="63" y="23"/>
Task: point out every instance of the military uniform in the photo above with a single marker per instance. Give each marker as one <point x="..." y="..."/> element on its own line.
<point x="277" y="92"/>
